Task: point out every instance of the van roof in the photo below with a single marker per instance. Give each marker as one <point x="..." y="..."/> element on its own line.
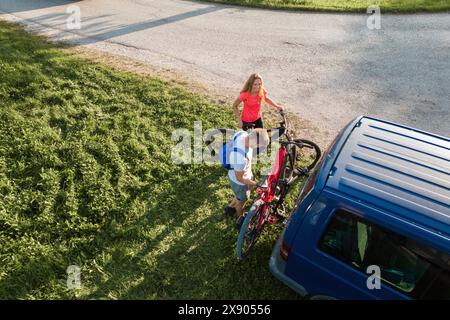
<point x="396" y="168"/>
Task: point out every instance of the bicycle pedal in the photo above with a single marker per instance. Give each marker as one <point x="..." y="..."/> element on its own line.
<point x="272" y="220"/>
<point x="281" y="214"/>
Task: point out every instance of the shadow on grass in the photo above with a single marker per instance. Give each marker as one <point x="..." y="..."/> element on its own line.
<point x="88" y="180"/>
<point x="194" y="256"/>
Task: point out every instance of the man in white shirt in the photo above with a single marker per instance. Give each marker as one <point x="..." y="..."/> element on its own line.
<point x="240" y="159"/>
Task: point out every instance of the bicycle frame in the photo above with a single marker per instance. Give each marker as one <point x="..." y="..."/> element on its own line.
<point x="267" y="194"/>
<point x="269" y="206"/>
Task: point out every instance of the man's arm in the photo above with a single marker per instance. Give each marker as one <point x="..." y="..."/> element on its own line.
<point x="241" y="179"/>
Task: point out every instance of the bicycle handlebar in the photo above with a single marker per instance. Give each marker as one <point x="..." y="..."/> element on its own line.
<point x="298" y="144"/>
<point x="283" y="116"/>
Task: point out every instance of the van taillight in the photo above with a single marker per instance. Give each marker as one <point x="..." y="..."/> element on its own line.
<point x="284" y="251"/>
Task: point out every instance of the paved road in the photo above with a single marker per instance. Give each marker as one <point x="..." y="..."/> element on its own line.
<point x="326" y="67"/>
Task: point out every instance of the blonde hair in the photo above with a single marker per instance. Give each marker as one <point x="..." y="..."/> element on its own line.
<point x="249" y="85"/>
<point x="260" y="137"/>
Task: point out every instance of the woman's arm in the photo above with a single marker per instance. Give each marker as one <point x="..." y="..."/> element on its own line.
<point x="273" y="104"/>
<point x="236" y="112"/>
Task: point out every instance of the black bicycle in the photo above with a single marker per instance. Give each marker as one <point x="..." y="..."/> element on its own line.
<point x="273" y="189"/>
<point x="295" y="158"/>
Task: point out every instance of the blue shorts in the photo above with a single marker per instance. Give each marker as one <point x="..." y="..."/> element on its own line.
<point x="241" y="192"/>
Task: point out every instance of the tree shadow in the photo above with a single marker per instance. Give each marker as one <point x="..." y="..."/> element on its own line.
<point x="193" y="256"/>
<point x="136" y="27"/>
<point x="168" y="213"/>
<point x="100" y="30"/>
<point x="176" y="207"/>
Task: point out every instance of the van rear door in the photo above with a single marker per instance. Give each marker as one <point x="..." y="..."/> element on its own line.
<point x="320" y="270"/>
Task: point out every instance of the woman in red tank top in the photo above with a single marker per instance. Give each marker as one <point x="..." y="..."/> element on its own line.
<point x="252" y="95"/>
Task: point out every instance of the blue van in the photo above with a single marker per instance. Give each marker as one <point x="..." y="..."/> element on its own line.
<point x="373" y="220"/>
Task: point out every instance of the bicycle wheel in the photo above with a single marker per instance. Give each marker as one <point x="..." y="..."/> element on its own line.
<point x="250" y="230"/>
<point x="287" y="169"/>
<point x="284" y="180"/>
<point x="308" y="149"/>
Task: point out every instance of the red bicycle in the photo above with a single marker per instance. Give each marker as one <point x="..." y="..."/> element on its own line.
<point x="269" y="206"/>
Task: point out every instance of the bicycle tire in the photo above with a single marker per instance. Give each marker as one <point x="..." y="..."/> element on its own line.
<point x="286" y="175"/>
<point x="316" y="148"/>
<point x="255" y="212"/>
<point x="289" y="162"/>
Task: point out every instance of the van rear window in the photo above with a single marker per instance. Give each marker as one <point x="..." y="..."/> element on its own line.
<point x="412" y="268"/>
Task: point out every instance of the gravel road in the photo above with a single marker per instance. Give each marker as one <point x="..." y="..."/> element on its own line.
<point x="328" y="68"/>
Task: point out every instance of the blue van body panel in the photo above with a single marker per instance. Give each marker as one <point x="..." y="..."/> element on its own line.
<point x="388" y="174"/>
<point x="278" y="267"/>
<point x="334" y="153"/>
<point x="324" y="168"/>
<point x="399" y="170"/>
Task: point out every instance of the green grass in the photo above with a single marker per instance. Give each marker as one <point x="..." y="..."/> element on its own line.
<point x="86" y="179"/>
<point x="346" y="5"/>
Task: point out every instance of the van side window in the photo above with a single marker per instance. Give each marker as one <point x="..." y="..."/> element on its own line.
<point x="412" y="268"/>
